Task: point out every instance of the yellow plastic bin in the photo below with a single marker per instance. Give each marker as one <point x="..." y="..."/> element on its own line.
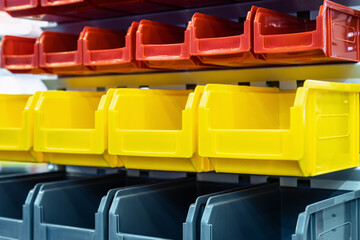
<point x="71" y="128"/>
<point x="256" y="130"/>
<point x="17" y="128"/>
<point x="156" y="129"/>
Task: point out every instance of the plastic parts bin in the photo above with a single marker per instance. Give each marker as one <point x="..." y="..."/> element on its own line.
<point x="20" y="55"/>
<point x="271" y="212"/>
<point x="156" y="129"/>
<point x="260" y="130"/>
<point x="109" y="50"/>
<point x="160" y="45"/>
<point x="61" y="53"/>
<point x="133" y="6"/>
<point x="23" y="8"/>
<point x="16" y="203"/>
<point x="191" y="3"/>
<point x="222" y="42"/>
<point x="17" y="128"/>
<point x="287" y="39"/>
<point x="71" y="128"/>
<point x="77" y="209"/>
<point x="191" y="227"/>
<point x="155" y="211"/>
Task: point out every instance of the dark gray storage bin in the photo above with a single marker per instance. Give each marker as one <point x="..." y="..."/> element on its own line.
<point x="17" y="195"/>
<point x="77" y="209"/>
<point x="156" y="211"/>
<point x="271" y="212"/>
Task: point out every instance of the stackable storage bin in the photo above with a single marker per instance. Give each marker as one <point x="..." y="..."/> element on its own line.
<point x="61" y="53"/>
<point x="17" y="128"/>
<point x="20" y="55"/>
<point x="156" y="129"/>
<point x="223" y="42"/>
<point x="333" y="36"/>
<point x="258" y="130"/>
<point x="156" y="211"/>
<point x="77" y="209"/>
<point x="23" y="8"/>
<point x="18" y="193"/>
<point x="272" y="212"/>
<point x="160" y="45"/>
<point x="191" y="3"/>
<point x="109" y="50"/>
<point x="133" y="6"/>
<point x="71" y="128"/>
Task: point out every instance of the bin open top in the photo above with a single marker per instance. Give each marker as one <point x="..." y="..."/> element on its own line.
<point x="332" y="36"/>
<point x="20" y="54"/>
<point x="232" y="128"/>
<point x="110" y="50"/>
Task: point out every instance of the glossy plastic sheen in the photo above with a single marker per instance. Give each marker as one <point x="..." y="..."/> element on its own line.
<point x="20" y="55"/>
<point x="109" y="50"/>
<point x="222" y="42"/>
<point x="61" y="53"/>
<point x="257" y="130"/>
<point x="16" y="128"/>
<point x="160" y="45"/>
<point x="156" y="129"/>
<point x="271" y="212"/>
<point x="133" y="6"/>
<point x="287" y="39"/>
<point x="71" y="128"/>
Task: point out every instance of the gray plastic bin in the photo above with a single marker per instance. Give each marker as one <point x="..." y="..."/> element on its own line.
<point x="271" y="212"/>
<point x="156" y="211"/>
<point x="78" y="209"/>
<point x="17" y="195"/>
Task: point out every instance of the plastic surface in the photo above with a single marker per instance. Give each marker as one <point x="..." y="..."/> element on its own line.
<point x="156" y="211"/>
<point x="22" y="8"/>
<point x="17" y="128"/>
<point x="287" y="39"/>
<point x="61" y="53"/>
<point x="77" y="209"/>
<point x="330" y="219"/>
<point x="258" y="130"/>
<point x="160" y="45"/>
<point x="133" y="6"/>
<point x="109" y="50"/>
<point x="271" y="212"/>
<point x="223" y="42"/>
<point x="156" y="129"/>
<point x="16" y="204"/>
<point x="20" y="55"/>
<point x="71" y="128"/>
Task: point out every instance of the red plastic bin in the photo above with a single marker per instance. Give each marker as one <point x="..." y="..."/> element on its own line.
<point x="133" y="6"/>
<point x="110" y="50"/>
<point x="80" y="8"/>
<point x="333" y="36"/>
<point x="192" y="3"/>
<point x="61" y="53"/>
<point x="222" y="42"/>
<point x="20" y="55"/>
<point x="160" y="45"/>
<point x="23" y="8"/>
